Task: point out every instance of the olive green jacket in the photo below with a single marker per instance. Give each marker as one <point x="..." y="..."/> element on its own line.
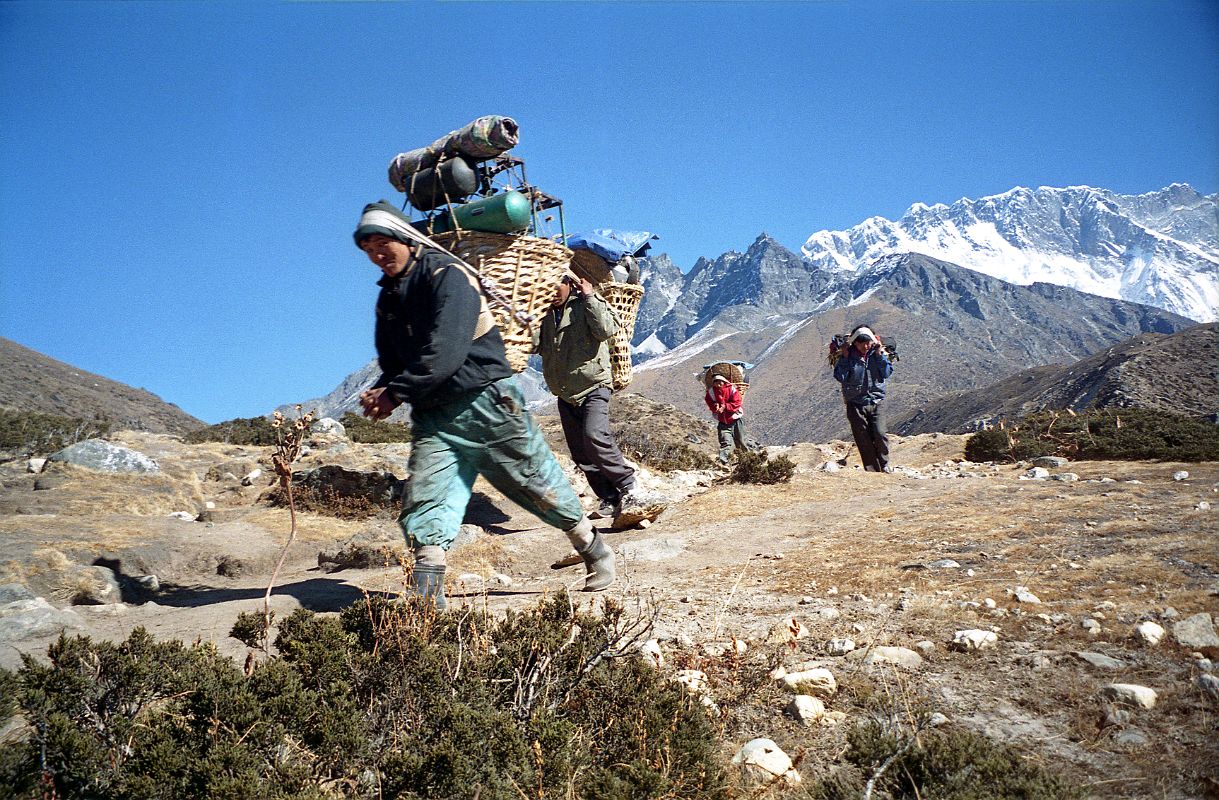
<point x="573" y="342"/>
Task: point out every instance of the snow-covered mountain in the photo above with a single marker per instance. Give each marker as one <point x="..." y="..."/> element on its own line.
<point x="1159" y="249"/>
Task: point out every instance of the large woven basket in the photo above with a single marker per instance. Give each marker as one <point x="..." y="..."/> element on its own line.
<point x="624" y="298"/>
<point x="732" y="372"/>
<point x="525" y="271"/>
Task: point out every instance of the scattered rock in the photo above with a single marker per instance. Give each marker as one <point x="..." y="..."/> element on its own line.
<point x="1196" y="631"/>
<point x="830" y="466"/>
<point x="789" y="630"/>
<point x="101" y="456"/>
<point x="1180" y="475"/>
<point x="651" y="653"/>
<point x="1065" y="477"/>
<point x="372" y="486"/>
<point x="34" y="616"/>
<point x="805" y="708"/>
<point x="839" y="647"/>
<point x="1099" y="660"/>
<point x="326" y="430"/>
<point x="1023" y="595"/>
<point x="1091" y="626"/>
<point x="1149" y="633"/>
<point x="1050" y="462"/>
<point x="466" y="534"/>
<point x="1209" y="684"/>
<point x="1203" y="506"/>
<point x="149" y="583"/>
<point x="251" y="476"/>
<point x="898" y="656"/>
<point x="185" y="516"/>
<point x="1035" y="474"/>
<point x="819" y="681"/>
<point x="761" y="761"/>
<point x="35" y="464"/>
<point x="1132" y="737"/>
<point x="944" y="563"/>
<point x="1130" y="695"/>
<point x="97" y="586"/>
<point x="926" y="647"/>
<point x="936" y="720"/>
<point x="974" y="639"/>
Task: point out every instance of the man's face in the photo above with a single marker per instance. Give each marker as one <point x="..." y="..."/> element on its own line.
<point x="862" y="345"/>
<point x="561" y="293"/>
<point x="390" y="255"/>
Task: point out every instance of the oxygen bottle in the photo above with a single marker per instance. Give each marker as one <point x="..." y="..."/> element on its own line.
<point x="506" y="212"/>
<point x="451" y="180"/>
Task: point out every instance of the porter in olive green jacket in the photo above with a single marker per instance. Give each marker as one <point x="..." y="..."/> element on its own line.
<point x="573" y="341"/>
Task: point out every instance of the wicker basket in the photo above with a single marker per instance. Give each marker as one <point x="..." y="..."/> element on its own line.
<point x="525" y="270"/>
<point x="624" y="298"/>
<point x="732" y="372"/>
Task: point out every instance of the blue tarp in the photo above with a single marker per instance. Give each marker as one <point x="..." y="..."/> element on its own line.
<point x="612" y="245"/>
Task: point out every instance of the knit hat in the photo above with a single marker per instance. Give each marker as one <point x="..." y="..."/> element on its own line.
<point x="862" y="332"/>
<point x="383" y="218"/>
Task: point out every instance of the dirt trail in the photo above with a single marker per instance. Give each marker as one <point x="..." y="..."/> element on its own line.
<point x="849" y="554"/>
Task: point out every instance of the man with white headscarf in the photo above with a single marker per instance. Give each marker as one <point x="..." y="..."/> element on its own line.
<point x="440" y="350"/>
<point x="862" y="370"/>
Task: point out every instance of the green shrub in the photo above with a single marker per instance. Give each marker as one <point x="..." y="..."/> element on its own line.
<point x="658" y="452"/>
<point x="368" y="431"/>
<point x="30" y="433"/>
<point x="756" y="467"/>
<point x="1110" y="434"/>
<point x="385" y="700"/>
<point x="255" y="431"/>
<point x="945" y="764"/>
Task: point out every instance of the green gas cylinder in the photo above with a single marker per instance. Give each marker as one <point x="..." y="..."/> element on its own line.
<point x="506" y="212"/>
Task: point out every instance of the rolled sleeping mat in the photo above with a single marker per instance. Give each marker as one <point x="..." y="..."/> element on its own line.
<point x="485" y="137"/>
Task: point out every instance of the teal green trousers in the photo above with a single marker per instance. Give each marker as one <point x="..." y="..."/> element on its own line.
<point x="488" y="433"/>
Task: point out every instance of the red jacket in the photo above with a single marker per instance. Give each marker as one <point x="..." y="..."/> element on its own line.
<point x="728" y="396"/>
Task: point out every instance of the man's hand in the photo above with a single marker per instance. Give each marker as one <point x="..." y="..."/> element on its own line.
<point x="585" y="287"/>
<point x="378" y="404"/>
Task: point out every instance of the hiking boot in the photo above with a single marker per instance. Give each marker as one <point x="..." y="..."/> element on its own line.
<point x="598" y="557"/>
<point x="428" y="576"/>
<point x="604" y="510"/>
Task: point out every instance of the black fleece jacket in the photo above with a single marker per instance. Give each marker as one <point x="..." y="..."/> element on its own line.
<point x="426" y="321"/>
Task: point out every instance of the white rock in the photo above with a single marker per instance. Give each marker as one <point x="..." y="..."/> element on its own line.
<point x="831" y="718"/>
<point x="936" y="720"/>
<point x="183" y="515"/>
<point x="818" y="681"/>
<point x="761" y="761"/>
<point x="35" y="464"/>
<point x="1023" y="595"/>
<point x="990" y="603"/>
<point x="829" y="612"/>
<point x="1197" y="631"/>
<point x="739" y="646"/>
<point x="1091" y="626"/>
<point x="1203" y="506"/>
<point x="1209" y="684"/>
<point x="1099" y="660"/>
<point x="1035" y="474"/>
<point x="1180" y="475"/>
<point x="1130" y="694"/>
<point x="1149" y="633"/>
<point x="209" y="505"/>
<point x="778" y="673"/>
<point x="839" y="647"/>
<point x="251" y="476"/>
<point x="807" y="601"/>
<point x="925" y="647"/>
<point x="1066" y="477"/>
<point x="974" y="639"/>
<point x="500" y="579"/>
<point x="651" y="653"/>
<point x="790" y="629"/>
<point x="805" y="708"/>
<point x="899" y="656"/>
<point x="830" y="466"/>
<point x="693" y="679"/>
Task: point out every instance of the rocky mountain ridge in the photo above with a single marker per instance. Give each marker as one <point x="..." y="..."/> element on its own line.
<point x="31" y="381"/>
<point x="1175" y="373"/>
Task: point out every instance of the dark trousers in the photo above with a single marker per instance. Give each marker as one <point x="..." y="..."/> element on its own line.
<point x="731" y="435"/>
<point x="592" y="446"/>
<point x="868" y="428"/>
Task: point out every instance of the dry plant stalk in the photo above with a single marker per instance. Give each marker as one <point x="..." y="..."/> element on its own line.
<point x="287" y="450"/>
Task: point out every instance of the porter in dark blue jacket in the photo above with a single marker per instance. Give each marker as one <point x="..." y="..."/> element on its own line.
<point x="862" y="370"/>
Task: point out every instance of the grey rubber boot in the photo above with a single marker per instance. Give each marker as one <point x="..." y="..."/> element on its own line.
<point x="428" y="575"/>
<point x="598" y="556"/>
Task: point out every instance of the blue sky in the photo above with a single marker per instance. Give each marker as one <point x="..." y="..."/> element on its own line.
<point x="179" y="181"/>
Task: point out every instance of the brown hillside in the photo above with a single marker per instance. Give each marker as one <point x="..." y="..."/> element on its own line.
<point x="30" y="381"/>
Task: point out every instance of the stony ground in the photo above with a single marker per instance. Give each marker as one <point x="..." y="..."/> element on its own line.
<point x="1060" y="571"/>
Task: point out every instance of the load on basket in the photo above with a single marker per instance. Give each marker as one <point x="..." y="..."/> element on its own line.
<point x="839" y="345"/>
<point x="734" y="371"/>
<point x="477" y="204"/>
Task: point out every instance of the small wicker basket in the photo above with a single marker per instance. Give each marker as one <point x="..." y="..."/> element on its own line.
<point x="732" y="372"/>
<point x="525" y="270"/>
<point x="624" y="298"/>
